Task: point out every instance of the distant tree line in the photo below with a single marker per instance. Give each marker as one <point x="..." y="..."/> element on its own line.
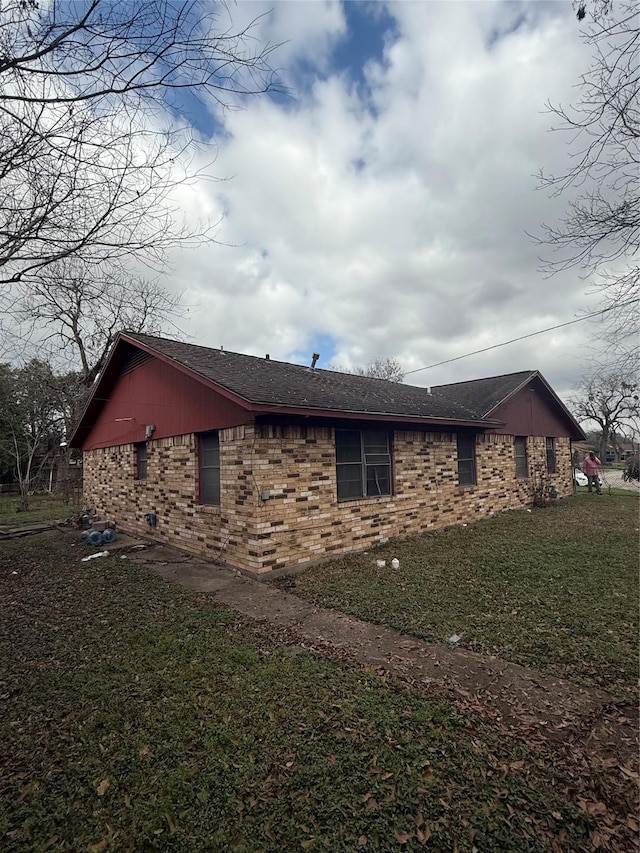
<point x="37" y="406"/>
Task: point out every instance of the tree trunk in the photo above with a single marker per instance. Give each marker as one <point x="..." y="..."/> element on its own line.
<point x="23" y="502"/>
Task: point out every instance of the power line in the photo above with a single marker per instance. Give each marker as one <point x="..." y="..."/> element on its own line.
<point x="523" y="337"/>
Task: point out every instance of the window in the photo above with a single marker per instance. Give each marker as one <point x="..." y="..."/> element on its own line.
<point x="210" y="468"/>
<point x="467" y="460"/>
<point x="551" y="455"/>
<point x="522" y="469"/>
<point x="141" y="460"/>
<point x="363" y="463"/>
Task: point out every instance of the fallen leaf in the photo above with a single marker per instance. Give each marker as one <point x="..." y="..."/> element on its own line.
<point x="626" y="771"/>
<point x="103" y="787"/>
<point x="307" y="844"/>
<point x="362" y="841"/>
<point x="97" y="848"/>
<point x="401" y="837"/>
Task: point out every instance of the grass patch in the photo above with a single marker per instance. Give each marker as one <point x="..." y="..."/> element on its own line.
<point x="41" y="508"/>
<point x="553" y="588"/>
<point x="139" y="716"/>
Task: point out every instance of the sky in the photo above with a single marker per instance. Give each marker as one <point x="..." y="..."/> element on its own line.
<point x="385" y="207"/>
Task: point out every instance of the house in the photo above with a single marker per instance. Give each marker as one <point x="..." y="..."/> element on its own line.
<point x="267" y="465"/>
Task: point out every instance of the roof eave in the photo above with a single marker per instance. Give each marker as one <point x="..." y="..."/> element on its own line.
<point x="398" y="417"/>
<point x="79" y="426"/>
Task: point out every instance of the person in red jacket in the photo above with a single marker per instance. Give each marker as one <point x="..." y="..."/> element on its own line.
<point x="591" y="470"/>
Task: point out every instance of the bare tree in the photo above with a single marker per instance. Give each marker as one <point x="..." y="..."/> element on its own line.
<point x="600" y="233"/>
<point x="89" y="152"/>
<point x="378" y="368"/>
<point x="78" y="309"/>
<point x="74" y="312"/>
<point x="609" y="400"/>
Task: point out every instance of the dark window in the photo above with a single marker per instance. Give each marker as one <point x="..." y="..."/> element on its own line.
<point x="522" y="469"/>
<point x="467" y="460"/>
<point x="551" y="456"/>
<point x="363" y="463"/>
<point x="141" y="460"/>
<point x="210" y="468"/>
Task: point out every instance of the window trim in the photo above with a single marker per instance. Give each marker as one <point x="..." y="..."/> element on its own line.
<point x="521" y="459"/>
<point x="141" y="460"/>
<point x="364" y="465"/>
<point x="471" y="439"/>
<point x="550" y="449"/>
<point x="201" y="467"/>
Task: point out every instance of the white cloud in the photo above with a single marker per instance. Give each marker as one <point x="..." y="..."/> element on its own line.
<point x="396" y="225"/>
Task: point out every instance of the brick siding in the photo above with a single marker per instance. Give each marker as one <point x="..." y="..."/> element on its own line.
<point x="302" y="520"/>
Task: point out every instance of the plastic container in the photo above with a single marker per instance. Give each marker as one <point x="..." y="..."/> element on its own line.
<point x="95" y="537"/>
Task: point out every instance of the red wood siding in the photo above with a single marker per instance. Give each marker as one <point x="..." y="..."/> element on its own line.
<point x="532" y="411"/>
<point x="155" y="393"/>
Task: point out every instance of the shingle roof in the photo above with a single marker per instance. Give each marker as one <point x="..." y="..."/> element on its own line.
<point x="277" y="383"/>
<point x="481" y="396"/>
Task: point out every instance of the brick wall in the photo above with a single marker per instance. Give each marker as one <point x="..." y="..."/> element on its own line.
<point x="171" y="491"/>
<point x="302" y="521"/>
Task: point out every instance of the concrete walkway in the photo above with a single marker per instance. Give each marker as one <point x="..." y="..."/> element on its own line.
<point x="513" y="695"/>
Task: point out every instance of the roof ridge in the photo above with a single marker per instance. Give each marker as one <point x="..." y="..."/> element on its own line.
<point x="261" y="358"/>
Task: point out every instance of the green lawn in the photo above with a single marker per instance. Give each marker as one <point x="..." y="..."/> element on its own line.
<point x="41" y="508"/>
<point x="139" y="716"/>
<point x="554" y="588"/>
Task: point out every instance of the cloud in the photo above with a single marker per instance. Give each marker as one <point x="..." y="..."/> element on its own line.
<point x="391" y="220"/>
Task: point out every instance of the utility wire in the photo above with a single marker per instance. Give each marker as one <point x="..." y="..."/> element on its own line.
<point x="523" y="337"/>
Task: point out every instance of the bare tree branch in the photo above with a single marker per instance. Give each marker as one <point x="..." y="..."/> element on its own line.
<point x="378" y="368"/>
<point x="610" y="400"/>
<point x="89" y="153"/>
<point x="81" y="308"/>
<point x="600" y="233"/>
